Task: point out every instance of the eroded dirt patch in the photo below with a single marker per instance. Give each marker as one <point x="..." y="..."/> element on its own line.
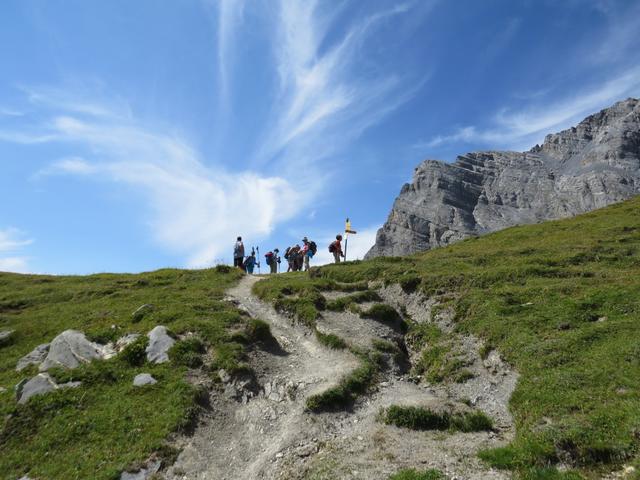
<point x="272" y="436"/>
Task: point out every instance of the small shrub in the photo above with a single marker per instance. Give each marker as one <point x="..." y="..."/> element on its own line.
<point x="410" y="282"/>
<point x="222" y="269"/>
<point x="463" y="376"/>
<point x="229" y="356"/>
<point x="104" y="336"/>
<point x="345" y="393"/>
<point x="135" y="354"/>
<point x="384" y="313"/>
<point x="258" y="331"/>
<point x="343" y="303"/>
<point x="330" y="340"/>
<point x="187" y="352"/>
<point x="420" y="418"/>
<point x="411" y="474"/>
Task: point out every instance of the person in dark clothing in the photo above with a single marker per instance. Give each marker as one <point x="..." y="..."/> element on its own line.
<point x="336" y="249"/>
<point x="238" y="254"/>
<point x="250" y="263"/>
<point x="275" y="260"/>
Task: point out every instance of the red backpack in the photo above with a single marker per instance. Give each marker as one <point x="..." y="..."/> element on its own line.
<point x="268" y="257"/>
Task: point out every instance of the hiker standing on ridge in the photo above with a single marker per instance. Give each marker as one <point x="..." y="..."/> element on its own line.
<point x="295" y="258"/>
<point x="250" y="263"/>
<point x="238" y="254"/>
<point x="309" y="249"/>
<point x="336" y="248"/>
<point x="273" y="260"/>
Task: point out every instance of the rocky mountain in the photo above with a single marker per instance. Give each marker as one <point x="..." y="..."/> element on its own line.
<point x="588" y="166"/>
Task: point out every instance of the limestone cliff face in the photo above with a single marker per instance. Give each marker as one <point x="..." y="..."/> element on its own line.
<point x="588" y="166"/>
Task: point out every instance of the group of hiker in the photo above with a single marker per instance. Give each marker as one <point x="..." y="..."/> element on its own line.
<point x="297" y="257"/>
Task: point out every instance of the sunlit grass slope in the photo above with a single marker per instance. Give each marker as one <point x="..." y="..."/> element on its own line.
<point x="561" y="301"/>
<point x="107" y="425"/>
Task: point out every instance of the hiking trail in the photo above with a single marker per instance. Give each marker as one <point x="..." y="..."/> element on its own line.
<point x="272" y="436"/>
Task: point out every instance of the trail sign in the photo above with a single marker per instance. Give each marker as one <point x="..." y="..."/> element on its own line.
<point x="347" y="227"/>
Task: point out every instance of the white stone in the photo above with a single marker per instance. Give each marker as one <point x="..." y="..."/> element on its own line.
<point x="144" y="379"/>
<point x="159" y="344"/>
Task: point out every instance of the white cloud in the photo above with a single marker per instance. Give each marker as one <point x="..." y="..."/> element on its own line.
<point x="13" y="240"/>
<point x="14" y="264"/>
<point x="196" y="210"/>
<point x="230" y="13"/>
<point x="522" y="129"/>
<point x="357" y="247"/>
<point x="324" y="99"/>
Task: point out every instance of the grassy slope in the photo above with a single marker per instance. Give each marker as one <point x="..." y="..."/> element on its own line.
<point x="561" y="301"/>
<point x="106" y="425"/>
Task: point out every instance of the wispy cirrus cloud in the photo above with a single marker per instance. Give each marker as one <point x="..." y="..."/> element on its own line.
<point x="326" y="97"/>
<point x="194" y="208"/>
<point x="230" y="14"/>
<point x="521" y="129"/>
<point x="12" y="242"/>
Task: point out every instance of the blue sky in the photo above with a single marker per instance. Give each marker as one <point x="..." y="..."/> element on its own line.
<point x="139" y="135"/>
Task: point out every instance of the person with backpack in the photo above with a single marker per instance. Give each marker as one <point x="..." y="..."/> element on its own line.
<point x="238" y="254"/>
<point x="273" y="260"/>
<point x="309" y="249"/>
<point x="250" y="263"/>
<point x="336" y="248"/>
<point x="291" y="256"/>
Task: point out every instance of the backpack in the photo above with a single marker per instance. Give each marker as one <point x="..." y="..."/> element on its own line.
<point x="268" y="258"/>
<point x="313" y="247"/>
<point x="286" y="253"/>
<point x="332" y="247"/>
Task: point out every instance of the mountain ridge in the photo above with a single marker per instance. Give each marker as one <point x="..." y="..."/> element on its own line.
<point x="588" y="166"/>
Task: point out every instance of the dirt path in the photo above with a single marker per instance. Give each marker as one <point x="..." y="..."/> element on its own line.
<point x="271" y="436"/>
<point x="244" y="441"/>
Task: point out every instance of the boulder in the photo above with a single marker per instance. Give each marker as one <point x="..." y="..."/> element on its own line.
<point x="5" y="336"/>
<point x="35" y="357"/>
<point x="142" y="474"/>
<point x="144" y="379"/>
<point x="159" y="344"/>
<point x="71" y="348"/>
<point x="39" y="385"/>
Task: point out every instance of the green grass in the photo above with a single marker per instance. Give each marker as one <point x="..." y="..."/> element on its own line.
<point x="107" y="425"/>
<point x="411" y="474"/>
<point x="561" y="302"/>
<point x="343" y="303"/>
<point x="383" y="313"/>
<point x="352" y="385"/>
<point x="420" y="418"/>
<point x="331" y="340"/>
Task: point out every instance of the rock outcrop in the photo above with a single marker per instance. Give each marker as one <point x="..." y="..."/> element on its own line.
<point x="72" y="348"/>
<point x="160" y="342"/>
<point x="589" y="166"/>
<point x="39" y="385"/>
<point x="35" y="357"/>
